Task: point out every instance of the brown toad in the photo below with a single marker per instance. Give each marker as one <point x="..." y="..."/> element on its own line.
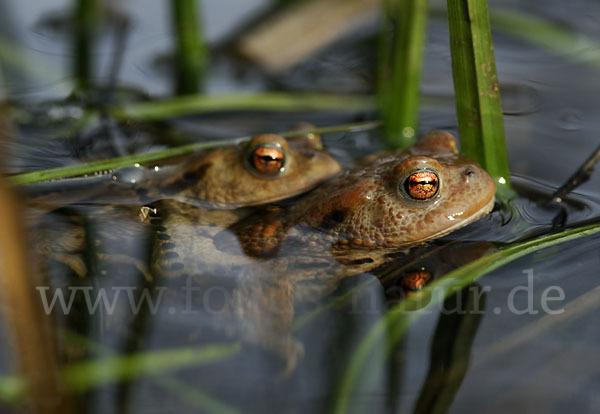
<point x="348" y="225"/>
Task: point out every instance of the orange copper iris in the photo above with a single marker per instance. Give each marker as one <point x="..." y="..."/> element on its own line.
<point x="268" y="160"/>
<point x="422" y="185"/>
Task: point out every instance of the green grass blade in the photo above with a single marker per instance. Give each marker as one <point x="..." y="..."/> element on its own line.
<point x="543" y="33"/>
<point x="86" y="20"/>
<point x="479" y="112"/>
<point x="394" y="324"/>
<point x="194" y="396"/>
<point x="130" y="160"/>
<point x="85" y="375"/>
<point x="111" y="163"/>
<point x="186" y="105"/>
<point x="538" y="31"/>
<point x="12" y="390"/>
<point x="157" y="110"/>
<point x="401" y="48"/>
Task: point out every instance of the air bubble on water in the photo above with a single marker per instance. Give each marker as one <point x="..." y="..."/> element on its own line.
<point x="130" y="175"/>
<point x="571" y="119"/>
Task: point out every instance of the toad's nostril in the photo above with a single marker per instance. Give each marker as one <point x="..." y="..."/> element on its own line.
<point x="469" y="172"/>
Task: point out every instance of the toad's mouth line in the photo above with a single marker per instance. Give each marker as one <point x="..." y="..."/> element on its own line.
<point x="483" y="211"/>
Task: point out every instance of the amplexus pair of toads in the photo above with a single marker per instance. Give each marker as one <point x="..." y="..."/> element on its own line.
<point x="281" y="254"/>
<point x="389" y="201"/>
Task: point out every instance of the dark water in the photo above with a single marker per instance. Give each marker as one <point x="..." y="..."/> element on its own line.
<point x="523" y="357"/>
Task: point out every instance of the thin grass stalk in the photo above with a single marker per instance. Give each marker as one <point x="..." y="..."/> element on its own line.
<point x="401" y="48"/>
<point x="111" y="164"/>
<point x="192" y="395"/>
<point x="478" y="107"/>
<point x="191" y="52"/>
<point x="270" y="101"/>
<point x="84" y="376"/>
<point x="541" y="32"/>
<point x="556" y="37"/>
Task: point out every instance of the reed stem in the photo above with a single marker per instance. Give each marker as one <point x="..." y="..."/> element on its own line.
<point x="86" y="19"/>
<point x="191" y="52"/>
<point x="479" y="112"/>
<point x="402" y="44"/>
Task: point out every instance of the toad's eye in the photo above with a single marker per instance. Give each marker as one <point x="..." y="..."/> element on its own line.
<point x="267" y="160"/>
<point x="422" y="185"/>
